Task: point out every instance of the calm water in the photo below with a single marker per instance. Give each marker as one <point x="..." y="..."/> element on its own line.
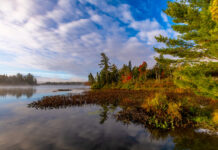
<point x="88" y="127"/>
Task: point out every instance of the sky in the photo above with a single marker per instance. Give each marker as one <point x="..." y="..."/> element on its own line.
<point x="61" y="40"/>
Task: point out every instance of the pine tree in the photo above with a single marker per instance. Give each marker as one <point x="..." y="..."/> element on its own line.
<point x="91" y="79"/>
<point x="114" y="74"/>
<point x="165" y="66"/>
<point x="135" y="72"/>
<point x="193" y="21"/>
<point x="105" y="65"/>
<point x="196" y="44"/>
<point x="130" y="66"/>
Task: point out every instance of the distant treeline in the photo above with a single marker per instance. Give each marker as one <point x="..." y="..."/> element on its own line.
<point x="18" y="79"/>
<point x="63" y="83"/>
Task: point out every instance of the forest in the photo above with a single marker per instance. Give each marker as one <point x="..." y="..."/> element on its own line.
<point x="18" y="79"/>
<point x="192" y="64"/>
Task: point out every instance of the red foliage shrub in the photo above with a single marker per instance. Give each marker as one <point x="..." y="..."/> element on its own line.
<point x="126" y="78"/>
<point x="143" y="67"/>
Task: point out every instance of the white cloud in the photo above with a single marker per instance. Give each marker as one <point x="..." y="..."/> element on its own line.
<point x="147" y="30"/>
<point x="164" y="16"/>
<point x="145" y="25"/>
<point x="64" y="37"/>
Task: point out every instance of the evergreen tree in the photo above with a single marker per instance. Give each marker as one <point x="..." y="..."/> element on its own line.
<point x="196" y="43"/>
<point x="18" y="79"/>
<point x="193" y="21"/>
<point x="98" y="79"/>
<point x="98" y="83"/>
<point x="164" y="66"/>
<point x="114" y="73"/>
<point x="105" y="65"/>
<point x="130" y="66"/>
<point x="124" y="70"/>
<point x="30" y="79"/>
<point x="135" y="72"/>
<point x="91" y="78"/>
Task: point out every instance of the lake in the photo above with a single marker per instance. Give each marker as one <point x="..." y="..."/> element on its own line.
<point x="84" y="127"/>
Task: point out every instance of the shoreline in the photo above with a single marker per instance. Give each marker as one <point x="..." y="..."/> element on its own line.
<point x="157" y="109"/>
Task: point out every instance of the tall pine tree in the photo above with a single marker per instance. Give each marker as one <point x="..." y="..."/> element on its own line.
<point x="196" y="45"/>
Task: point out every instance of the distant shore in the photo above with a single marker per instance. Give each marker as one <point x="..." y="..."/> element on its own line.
<point x="64" y="83"/>
<point x="48" y="83"/>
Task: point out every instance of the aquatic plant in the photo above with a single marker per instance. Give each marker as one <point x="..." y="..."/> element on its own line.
<point x="164" y="109"/>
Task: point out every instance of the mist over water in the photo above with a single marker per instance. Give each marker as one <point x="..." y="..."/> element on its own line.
<point x="46" y="90"/>
<point x="84" y="127"/>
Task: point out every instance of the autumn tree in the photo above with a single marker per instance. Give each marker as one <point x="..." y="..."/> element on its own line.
<point x="125" y="73"/>
<point x="142" y="71"/>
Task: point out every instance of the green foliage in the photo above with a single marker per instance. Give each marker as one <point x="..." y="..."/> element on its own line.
<point x="104" y="63"/>
<point x="114" y="74"/>
<point x="196" y="22"/>
<point x="201" y="78"/>
<point x="129" y="77"/>
<point x="135" y="72"/>
<point x="197" y="39"/>
<point x="130" y="66"/>
<point x="91" y="79"/>
<point x="107" y="76"/>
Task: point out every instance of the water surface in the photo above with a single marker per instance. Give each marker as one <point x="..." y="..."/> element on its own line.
<point x="87" y="127"/>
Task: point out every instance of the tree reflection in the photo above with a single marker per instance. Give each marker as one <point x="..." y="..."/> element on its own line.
<point x="144" y="108"/>
<point x="103" y="113"/>
<point x="18" y="92"/>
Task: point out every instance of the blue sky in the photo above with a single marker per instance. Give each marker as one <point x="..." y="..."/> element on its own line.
<point x="60" y="40"/>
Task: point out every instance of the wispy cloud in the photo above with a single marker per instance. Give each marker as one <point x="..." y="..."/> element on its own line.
<point x="68" y="36"/>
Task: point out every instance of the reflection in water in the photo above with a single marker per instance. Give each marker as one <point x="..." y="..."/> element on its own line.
<point x="74" y="128"/>
<point x="114" y="106"/>
<point x="18" y="92"/>
<point x="186" y="139"/>
<point x="103" y="113"/>
<point x="166" y="110"/>
<point x="88" y="125"/>
<point x="64" y="129"/>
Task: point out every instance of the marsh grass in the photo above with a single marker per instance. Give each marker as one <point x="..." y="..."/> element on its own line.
<point x="165" y="109"/>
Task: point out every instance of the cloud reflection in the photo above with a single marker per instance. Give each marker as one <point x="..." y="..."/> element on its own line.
<point x="69" y="129"/>
<point x="78" y="128"/>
